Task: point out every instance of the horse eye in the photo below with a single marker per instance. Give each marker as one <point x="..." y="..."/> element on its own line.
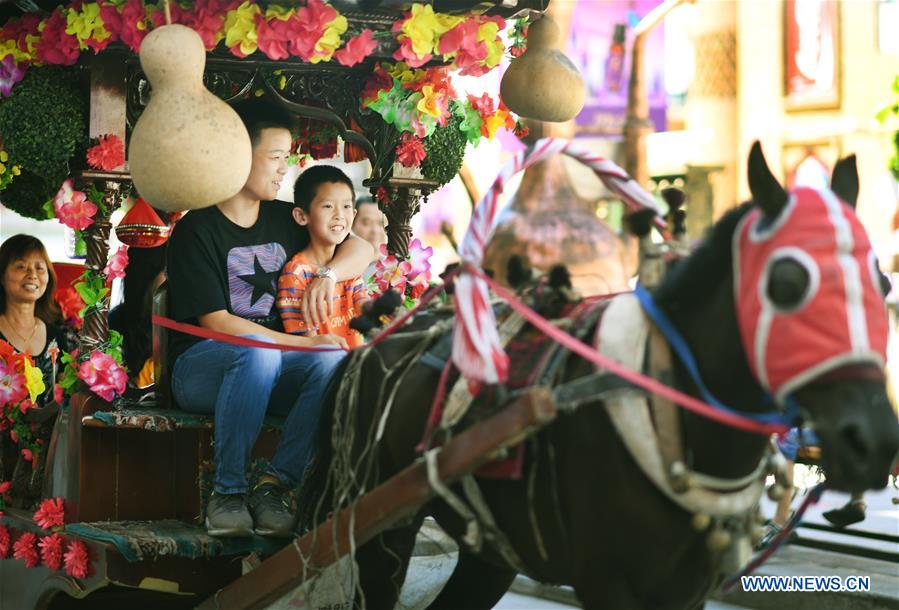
<point x="788" y="283"/>
<point x="886" y="286"/>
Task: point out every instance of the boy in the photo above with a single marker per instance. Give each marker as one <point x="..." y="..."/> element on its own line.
<point x="222" y="264"/>
<point x="324" y="205"/>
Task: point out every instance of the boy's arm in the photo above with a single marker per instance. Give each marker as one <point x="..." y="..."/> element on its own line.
<point x="224" y="322"/>
<point x="350" y="260"/>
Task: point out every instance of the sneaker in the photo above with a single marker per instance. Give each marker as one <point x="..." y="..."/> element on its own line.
<point x="227" y="516"/>
<point x="272" y="514"/>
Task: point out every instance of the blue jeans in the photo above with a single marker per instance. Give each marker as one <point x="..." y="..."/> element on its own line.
<point x="240" y="385"/>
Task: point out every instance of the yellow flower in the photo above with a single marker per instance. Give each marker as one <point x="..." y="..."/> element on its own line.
<point x="403" y="73"/>
<point x="428" y="103"/>
<point x="282" y="82"/>
<point x="240" y="27"/>
<point x="494" y="122"/>
<point x="488" y="34"/>
<point x="86" y="24"/>
<point x="10" y="47"/>
<point x="16" y="170"/>
<point x="330" y="40"/>
<point x="2" y="169"/>
<point x="34" y="381"/>
<point x="279" y="12"/>
<point x="4" y="156"/>
<point x="424" y="28"/>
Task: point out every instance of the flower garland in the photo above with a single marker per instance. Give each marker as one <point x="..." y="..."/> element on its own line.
<point x="21" y="383"/>
<point x="410" y="276"/>
<point x="52" y="550"/>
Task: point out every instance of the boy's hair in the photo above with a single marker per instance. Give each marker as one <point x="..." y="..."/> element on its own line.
<point x="258" y="114"/>
<point x="306" y="186"/>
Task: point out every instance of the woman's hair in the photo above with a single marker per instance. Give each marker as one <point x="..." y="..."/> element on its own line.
<point x="18" y="247"/>
<point x="144" y="265"/>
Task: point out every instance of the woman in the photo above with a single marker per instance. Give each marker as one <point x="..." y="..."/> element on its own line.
<point x="29" y="317"/>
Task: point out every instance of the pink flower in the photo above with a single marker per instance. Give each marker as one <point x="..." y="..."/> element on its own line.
<point x="4" y="487"/>
<point x="12" y="385"/>
<point x="406" y="53"/>
<point x="419" y="259"/>
<point x="411" y="151"/>
<point x="103" y="375"/>
<point x="58" y="394"/>
<point x="390" y="272"/>
<point x="470" y="52"/>
<point x="4" y="542"/>
<point x="25" y="548"/>
<point x="312" y="21"/>
<point x="357" y="49"/>
<point x="134" y="24"/>
<point x="14" y="436"/>
<point x="10" y="74"/>
<point x="51" y="513"/>
<point x="25" y="405"/>
<point x="73" y="208"/>
<point x="77" y="560"/>
<point x="51" y="551"/>
<point x="56" y="47"/>
<point x="108" y="154"/>
<point x="115" y="268"/>
<point x="27" y="455"/>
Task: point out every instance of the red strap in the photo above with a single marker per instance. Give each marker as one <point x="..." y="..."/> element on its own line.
<point x="647" y="383"/>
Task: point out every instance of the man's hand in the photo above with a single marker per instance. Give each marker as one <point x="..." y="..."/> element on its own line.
<point x="329" y="339"/>
<point x="317" y="301"/>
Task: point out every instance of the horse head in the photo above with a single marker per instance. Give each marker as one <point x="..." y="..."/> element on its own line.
<point x="810" y="309"/>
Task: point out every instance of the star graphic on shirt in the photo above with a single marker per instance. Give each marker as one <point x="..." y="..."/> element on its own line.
<point x="262" y="281"/>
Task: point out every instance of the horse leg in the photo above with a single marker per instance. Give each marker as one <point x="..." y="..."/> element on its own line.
<point x="474" y="584"/>
<point x="383" y="563"/>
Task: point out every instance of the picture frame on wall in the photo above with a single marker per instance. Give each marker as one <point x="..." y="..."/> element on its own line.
<point x="812" y="68"/>
<point x="810" y="163"/>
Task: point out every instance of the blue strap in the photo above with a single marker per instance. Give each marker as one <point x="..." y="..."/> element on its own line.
<point x="680" y="347"/>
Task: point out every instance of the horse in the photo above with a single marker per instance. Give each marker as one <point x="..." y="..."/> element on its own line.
<point x="584" y="512"/>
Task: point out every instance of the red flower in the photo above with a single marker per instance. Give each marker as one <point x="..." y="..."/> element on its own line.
<point x="58" y="394"/>
<point x="357" y="49"/>
<point x="274" y="35"/>
<point x="25" y="548"/>
<point x="51" y="513"/>
<point x="411" y="151"/>
<point x="108" y="154"/>
<point x="208" y="18"/>
<point x="382" y="196"/>
<point x="27" y="455"/>
<point x="4" y="542"/>
<point x="134" y="24"/>
<point x="377" y="82"/>
<point x="20" y="29"/>
<point x="71" y="303"/>
<point x="312" y="20"/>
<point x="56" y="47"/>
<point x="4" y="487"/>
<point x="406" y="53"/>
<point x="51" y="551"/>
<point x="417" y="290"/>
<point x="112" y="21"/>
<point x="521" y="129"/>
<point x="77" y="560"/>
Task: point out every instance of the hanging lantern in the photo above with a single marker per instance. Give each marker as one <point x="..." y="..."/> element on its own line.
<point x="543" y="84"/>
<point x="189" y="149"/>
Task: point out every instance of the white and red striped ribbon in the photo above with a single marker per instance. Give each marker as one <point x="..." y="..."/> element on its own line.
<point x="477" y="351"/>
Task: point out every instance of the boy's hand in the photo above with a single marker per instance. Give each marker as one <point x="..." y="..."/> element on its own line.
<point x="329" y="339"/>
<point x="317" y="301"/>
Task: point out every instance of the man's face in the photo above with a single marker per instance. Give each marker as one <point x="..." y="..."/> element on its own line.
<point x="270" y="154"/>
<point x="369" y="224"/>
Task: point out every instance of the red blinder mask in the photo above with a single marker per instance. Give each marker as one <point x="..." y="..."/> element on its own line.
<point x="840" y="320"/>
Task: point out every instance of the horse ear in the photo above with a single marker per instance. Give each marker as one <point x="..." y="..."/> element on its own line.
<point x="767" y="193"/>
<point x="844" y="181"/>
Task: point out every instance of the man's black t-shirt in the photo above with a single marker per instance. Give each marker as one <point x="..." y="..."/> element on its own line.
<point x="214" y="264"/>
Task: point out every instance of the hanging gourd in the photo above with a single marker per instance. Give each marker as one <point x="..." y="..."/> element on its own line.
<point x="189" y="149"/>
<point x="543" y="84"/>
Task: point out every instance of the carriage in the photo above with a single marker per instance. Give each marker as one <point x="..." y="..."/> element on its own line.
<point x="131" y="475"/>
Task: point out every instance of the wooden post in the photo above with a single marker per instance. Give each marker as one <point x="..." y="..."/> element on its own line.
<point x="404" y="197"/>
<point x="400" y="496"/>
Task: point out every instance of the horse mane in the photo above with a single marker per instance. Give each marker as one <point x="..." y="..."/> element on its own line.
<point x="687" y="282"/>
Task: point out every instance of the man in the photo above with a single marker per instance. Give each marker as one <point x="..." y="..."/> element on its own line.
<point x="223" y="262"/>
<point x="369" y="222"/>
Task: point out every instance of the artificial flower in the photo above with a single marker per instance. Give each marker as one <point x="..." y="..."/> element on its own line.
<point x="521" y="130"/>
<point x="20" y="37"/>
<point x="108" y="154"/>
<point x="4" y="542"/>
<point x="59" y="394"/>
<point x="419" y="33"/>
<point x="357" y="49"/>
<point x="103" y="375"/>
<point x="419" y="259"/>
<point x="207" y="19"/>
<point x="10" y="74"/>
<point x="12" y="385"/>
<point x="73" y="208"/>
<point x="34" y="380"/>
<point x="25" y="548"/>
<point x="14" y="436"/>
<point x="330" y="40"/>
<point x="26" y="404"/>
<point x="462" y="44"/>
<point x="488" y="33"/>
<point x="51" y="513"/>
<point x="71" y="304"/>
<point x="87" y="27"/>
<point x="240" y="29"/>
<point x="134" y="24"/>
<point x="77" y="560"/>
<point x="390" y="272"/>
<point x="115" y="268"/>
<point x="378" y="81"/>
<point x="4" y="487"/>
<point x="411" y="151"/>
<point x="274" y="31"/>
<point x="56" y="47"/>
<point x="51" y="551"/>
<point x="27" y="455"/>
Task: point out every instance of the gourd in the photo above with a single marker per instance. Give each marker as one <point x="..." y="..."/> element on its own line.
<point x="543" y="84"/>
<point x="189" y="149"/>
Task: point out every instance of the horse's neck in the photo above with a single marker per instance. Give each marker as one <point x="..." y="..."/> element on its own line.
<point x="713" y="334"/>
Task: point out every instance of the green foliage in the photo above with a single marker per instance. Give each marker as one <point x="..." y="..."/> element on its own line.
<point x="445" y="149"/>
<point x="92" y="289"/>
<point x="885" y="112"/>
<point x="42" y="123"/>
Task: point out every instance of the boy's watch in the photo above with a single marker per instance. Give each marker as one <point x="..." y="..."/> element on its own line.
<point x="326" y="272"/>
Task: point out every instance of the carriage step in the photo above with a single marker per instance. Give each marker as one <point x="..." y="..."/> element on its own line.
<point x="159" y="420"/>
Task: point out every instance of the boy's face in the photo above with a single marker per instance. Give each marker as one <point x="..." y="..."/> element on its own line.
<point x="369" y="224"/>
<point x="269" y="164"/>
<point x="330" y="214"/>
